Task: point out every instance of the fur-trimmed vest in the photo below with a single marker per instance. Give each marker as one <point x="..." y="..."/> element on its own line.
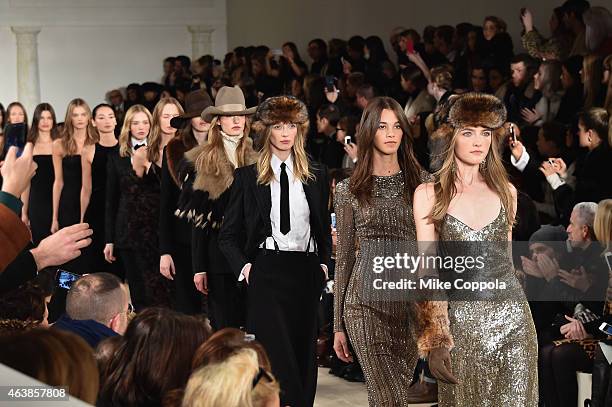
<point x="204" y="195"/>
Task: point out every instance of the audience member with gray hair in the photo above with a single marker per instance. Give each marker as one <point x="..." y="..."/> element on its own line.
<point x="97" y="307"/>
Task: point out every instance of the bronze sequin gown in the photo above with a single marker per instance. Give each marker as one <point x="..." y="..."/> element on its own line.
<point x="496" y="352"/>
<point x="377" y="325"/>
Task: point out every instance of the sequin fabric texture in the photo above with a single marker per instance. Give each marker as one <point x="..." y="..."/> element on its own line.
<point x="377" y="326"/>
<point x="496" y="352"/>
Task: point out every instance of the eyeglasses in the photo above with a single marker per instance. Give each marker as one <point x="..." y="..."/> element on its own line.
<point x="260" y="373"/>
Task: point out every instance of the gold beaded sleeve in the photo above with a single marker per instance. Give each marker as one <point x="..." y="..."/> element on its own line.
<point x="345" y="250"/>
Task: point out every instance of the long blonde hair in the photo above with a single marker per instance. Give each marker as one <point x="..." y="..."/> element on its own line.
<point x="68" y="142"/>
<point x="492" y="171"/>
<point x="301" y="170"/>
<point x="125" y="144"/>
<point x="213" y="153"/>
<point x="230" y="384"/>
<point x="602" y="225"/>
<point x="155" y="136"/>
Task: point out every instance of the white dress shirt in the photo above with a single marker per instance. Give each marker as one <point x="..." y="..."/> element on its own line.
<point x="299" y="214"/>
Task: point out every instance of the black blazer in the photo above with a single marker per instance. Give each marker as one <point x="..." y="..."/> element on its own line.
<point x="132" y="204"/>
<point x="247" y="217"/>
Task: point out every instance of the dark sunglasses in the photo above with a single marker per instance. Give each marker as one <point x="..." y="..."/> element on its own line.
<point x="262" y="372"/>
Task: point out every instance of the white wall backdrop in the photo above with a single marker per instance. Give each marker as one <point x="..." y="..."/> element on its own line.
<point x="87" y="47"/>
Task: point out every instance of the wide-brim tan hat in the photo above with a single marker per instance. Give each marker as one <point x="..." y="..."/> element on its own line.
<point x="229" y="102"/>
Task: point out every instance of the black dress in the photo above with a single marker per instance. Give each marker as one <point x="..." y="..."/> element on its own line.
<point x="40" y="208"/>
<point x="95" y="211"/>
<point x="70" y="200"/>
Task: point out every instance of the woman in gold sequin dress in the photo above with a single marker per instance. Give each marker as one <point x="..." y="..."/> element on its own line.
<point x="374" y="218"/>
<point x="495" y="350"/>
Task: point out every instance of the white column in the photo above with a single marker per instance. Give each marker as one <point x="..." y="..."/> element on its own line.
<point x="28" y="79"/>
<point x="201" y="40"/>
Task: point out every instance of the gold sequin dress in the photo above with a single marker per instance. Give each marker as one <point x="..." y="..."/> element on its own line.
<point x="377" y="324"/>
<point x="496" y="352"/>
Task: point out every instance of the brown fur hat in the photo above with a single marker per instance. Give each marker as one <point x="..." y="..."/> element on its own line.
<point x="280" y="109"/>
<point x="477" y="109"/>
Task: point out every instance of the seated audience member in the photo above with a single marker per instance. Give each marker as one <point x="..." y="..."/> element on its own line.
<point x="347" y="127"/>
<point x="592" y="169"/>
<point x="152" y="358"/>
<point x="324" y="148"/>
<point x="550" y="144"/>
<point x="414" y="84"/>
<point x="105" y="351"/>
<point x="363" y="95"/>
<point x="226" y="342"/>
<point x="602" y="370"/>
<point x="26" y="307"/>
<point x="97" y="307"/>
<point x="237" y="381"/>
<point x="521" y="93"/>
<point x="53" y="357"/>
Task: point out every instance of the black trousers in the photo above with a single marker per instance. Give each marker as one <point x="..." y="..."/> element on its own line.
<point x="135" y="266"/>
<point x="226" y="301"/>
<point x="558" y="367"/>
<point x="602" y="381"/>
<point x="283" y="295"/>
<point x="187" y="298"/>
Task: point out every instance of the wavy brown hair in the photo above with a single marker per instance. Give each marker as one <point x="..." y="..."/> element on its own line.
<point x="362" y="180"/>
<point x="125" y="146"/>
<point x="155" y="135"/>
<point x="213" y="153"/>
<point x="68" y="142"/>
<point x="494" y="174"/>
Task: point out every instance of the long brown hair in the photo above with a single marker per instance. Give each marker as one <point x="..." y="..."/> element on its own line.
<point x="152" y="358"/>
<point x="362" y="181"/>
<point x="5" y="118"/>
<point x="34" y="132"/>
<point x="211" y="158"/>
<point x="68" y="142"/>
<point x="125" y="146"/>
<point x="592" y="68"/>
<point x="155" y="136"/>
<point x="493" y="172"/>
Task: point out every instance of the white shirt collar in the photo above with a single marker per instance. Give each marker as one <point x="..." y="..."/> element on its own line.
<point x="276" y="163"/>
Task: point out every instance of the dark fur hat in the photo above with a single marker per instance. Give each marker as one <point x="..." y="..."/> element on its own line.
<point x="477" y="110"/>
<point x="280" y="109"/>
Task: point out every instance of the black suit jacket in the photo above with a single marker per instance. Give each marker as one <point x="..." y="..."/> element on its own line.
<point x="247" y="217"/>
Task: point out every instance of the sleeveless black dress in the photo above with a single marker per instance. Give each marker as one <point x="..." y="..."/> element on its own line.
<point x="70" y="200"/>
<point x="95" y="211"/>
<point x="40" y="208"/>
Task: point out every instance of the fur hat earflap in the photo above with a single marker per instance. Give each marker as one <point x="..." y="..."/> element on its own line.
<point x="280" y="109"/>
<point x="477" y="110"/>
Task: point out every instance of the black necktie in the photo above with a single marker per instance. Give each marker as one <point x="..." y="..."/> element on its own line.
<point x="285" y="225"/>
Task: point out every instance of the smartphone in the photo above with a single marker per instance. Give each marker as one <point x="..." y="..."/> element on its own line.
<point x="330" y="83"/>
<point x="277" y="52"/>
<point x="347" y="140"/>
<point x="608" y="257"/>
<point x="606" y="328"/>
<point x="65" y="279"/>
<point x="409" y="46"/>
<point x="333" y="221"/>
<point x="14" y="136"/>
<point x="512" y="133"/>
